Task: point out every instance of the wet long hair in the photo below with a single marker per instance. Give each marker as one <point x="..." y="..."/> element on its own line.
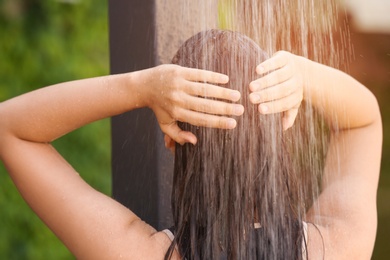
<point x="234" y="192"/>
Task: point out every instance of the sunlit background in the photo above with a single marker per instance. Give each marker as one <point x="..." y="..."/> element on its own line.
<point x="370" y="36"/>
<point x="46" y="42"/>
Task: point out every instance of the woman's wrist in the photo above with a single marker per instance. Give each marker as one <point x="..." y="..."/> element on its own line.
<point x="135" y="89"/>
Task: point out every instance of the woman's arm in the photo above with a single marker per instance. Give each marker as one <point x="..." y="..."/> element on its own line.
<point x="345" y="212"/>
<point x="92" y="225"/>
<point x="171" y="91"/>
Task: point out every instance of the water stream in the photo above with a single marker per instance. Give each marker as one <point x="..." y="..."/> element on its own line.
<point x="304" y="27"/>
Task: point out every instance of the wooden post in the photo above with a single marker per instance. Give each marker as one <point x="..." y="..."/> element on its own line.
<point x="144" y="33"/>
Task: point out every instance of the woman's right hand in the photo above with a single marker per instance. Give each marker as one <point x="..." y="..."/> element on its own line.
<point x="176" y="93"/>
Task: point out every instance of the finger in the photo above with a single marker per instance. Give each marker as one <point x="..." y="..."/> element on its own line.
<point x="172" y="147"/>
<point x="289" y="118"/>
<point x="167" y="141"/>
<point x="169" y="144"/>
<point x="274" y="78"/>
<point x="278" y="60"/>
<point x="205" y="120"/>
<point x="178" y="135"/>
<point x="281" y="105"/>
<point x="208" y="90"/>
<point x="273" y="93"/>
<point x="167" y="138"/>
<point x="204" y="76"/>
<point x="211" y="106"/>
<point x="190" y="137"/>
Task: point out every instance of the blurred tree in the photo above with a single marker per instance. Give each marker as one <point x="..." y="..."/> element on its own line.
<point x="43" y="43"/>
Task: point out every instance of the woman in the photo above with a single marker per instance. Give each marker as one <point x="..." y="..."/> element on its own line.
<point x="94" y="226"/>
<point x="235" y="192"/>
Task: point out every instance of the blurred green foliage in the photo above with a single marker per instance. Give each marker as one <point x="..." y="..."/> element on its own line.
<point x="43" y="43"/>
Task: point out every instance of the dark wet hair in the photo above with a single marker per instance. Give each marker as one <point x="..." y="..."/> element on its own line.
<point x="232" y="179"/>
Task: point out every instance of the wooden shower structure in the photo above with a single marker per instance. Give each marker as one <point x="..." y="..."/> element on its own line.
<point x="144" y="34"/>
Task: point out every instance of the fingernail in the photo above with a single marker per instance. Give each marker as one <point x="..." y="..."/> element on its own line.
<point x="254" y="98"/>
<point x="231" y="123"/>
<point x="192" y="140"/>
<point x="260" y="69"/>
<point x="253" y="86"/>
<point x="235" y="96"/>
<point x="263" y="108"/>
<point x="285" y="124"/>
<point x="224" y="78"/>
<point x="238" y="110"/>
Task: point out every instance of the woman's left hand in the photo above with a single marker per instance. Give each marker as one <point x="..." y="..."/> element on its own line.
<point x="280" y="86"/>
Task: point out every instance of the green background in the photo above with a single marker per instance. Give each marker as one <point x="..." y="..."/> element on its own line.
<point x="47" y="42"/>
<point x="43" y="43"/>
